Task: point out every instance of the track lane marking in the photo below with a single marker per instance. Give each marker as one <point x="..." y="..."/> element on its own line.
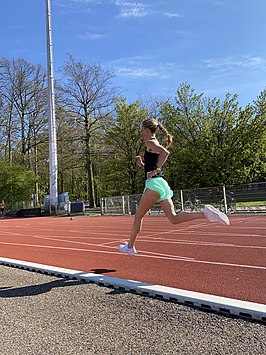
<point x="142" y="239"/>
<point x="144" y="255"/>
<point x="187" y="242"/>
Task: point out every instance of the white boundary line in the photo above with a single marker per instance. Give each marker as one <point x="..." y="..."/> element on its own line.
<point x="144" y="254"/>
<point x="223" y="305"/>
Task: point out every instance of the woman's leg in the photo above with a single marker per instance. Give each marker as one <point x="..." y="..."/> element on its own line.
<point x="182" y="216"/>
<point x="148" y="199"/>
<point x="209" y="212"/>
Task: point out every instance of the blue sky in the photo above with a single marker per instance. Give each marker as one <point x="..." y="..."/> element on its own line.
<point x="152" y="46"/>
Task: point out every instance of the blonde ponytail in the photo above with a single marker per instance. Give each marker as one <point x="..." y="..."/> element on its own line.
<point x="169" y="137"/>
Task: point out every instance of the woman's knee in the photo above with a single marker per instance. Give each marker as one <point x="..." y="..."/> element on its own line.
<point x="173" y="217"/>
<point x="138" y="217"/>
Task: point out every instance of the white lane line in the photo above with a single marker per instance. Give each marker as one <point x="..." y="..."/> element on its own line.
<point x="192" y="242"/>
<point x="64" y="236"/>
<point x="67" y="241"/>
<point x="151" y="236"/>
<point x="144" y="255"/>
<point x="186" y="242"/>
<point x="168" y="241"/>
<point x="112" y="242"/>
<point x="173" y="231"/>
<point x="230" y="234"/>
<point x="162" y="241"/>
<point x="252" y="228"/>
<point x="151" y="240"/>
<point x="12" y="233"/>
<point x="150" y="253"/>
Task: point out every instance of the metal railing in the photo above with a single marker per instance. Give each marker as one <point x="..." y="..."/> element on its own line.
<point x="246" y="198"/>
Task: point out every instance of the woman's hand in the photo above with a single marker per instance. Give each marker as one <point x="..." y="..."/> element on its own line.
<point x="139" y="161"/>
<point x="152" y="173"/>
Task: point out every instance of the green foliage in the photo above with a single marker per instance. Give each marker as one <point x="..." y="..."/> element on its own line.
<point x="215" y="142"/>
<point x="16" y="183"/>
<point x="125" y="143"/>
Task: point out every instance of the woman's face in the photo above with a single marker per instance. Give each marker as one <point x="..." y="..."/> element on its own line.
<point x="145" y="132"/>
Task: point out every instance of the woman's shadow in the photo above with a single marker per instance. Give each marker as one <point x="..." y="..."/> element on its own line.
<point x="34" y="290"/>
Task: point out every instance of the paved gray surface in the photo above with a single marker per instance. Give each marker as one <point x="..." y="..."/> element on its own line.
<point x="42" y="314"/>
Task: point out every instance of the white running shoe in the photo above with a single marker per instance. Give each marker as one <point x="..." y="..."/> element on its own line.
<point x="123" y="248"/>
<point x="214" y="215"/>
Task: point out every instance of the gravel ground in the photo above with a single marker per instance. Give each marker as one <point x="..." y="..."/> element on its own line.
<point x="42" y="315"/>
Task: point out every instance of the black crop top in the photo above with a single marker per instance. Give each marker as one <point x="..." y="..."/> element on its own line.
<point x="150" y="163"/>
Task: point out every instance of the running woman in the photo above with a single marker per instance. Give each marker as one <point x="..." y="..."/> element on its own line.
<point x="157" y="188"/>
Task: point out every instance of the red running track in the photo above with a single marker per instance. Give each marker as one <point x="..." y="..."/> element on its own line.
<point x="200" y="256"/>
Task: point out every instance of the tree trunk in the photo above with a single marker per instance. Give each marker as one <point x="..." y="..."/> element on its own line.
<point x="89" y="167"/>
<point x="91" y="192"/>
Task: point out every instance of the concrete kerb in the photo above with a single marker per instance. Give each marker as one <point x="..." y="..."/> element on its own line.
<point x="222" y="305"/>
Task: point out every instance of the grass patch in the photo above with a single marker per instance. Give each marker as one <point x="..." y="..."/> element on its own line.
<point x="251" y="203"/>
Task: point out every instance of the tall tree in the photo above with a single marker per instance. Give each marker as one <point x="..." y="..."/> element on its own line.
<point x="16" y="183"/>
<point x="22" y="89"/>
<point x="89" y="96"/>
<point x="125" y="143"/>
<point x="212" y="137"/>
<point x="254" y="154"/>
<point x="71" y="171"/>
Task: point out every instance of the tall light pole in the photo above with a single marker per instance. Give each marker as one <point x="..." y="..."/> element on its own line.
<point x="51" y="115"/>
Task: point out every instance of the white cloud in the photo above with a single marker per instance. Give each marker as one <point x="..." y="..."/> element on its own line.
<point x="70" y="3"/>
<point x="131" y="9"/>
<point x="11" y="28"/>
<point x="219" y="3"/>
<point x="232" y="63"/>
<point x="141" y="67"/>
<point x="126" y="8"/>
<point x="131" y="61"/>
<point x="76" y="6"/>
<point x="171" y="15"/>
<point x="91" y="36"/>
<point x="137" y="72"/>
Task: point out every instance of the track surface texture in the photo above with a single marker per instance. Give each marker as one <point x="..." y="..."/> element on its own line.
<point x="205" y="257"/>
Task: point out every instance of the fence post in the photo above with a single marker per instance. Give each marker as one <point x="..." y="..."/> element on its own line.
<point x="123" y="205"/>
<point x="68" y="208"/>
<point x="225" y="202"/>
<point x="101" y="204"/>
<point x="182" y="200"/>
<point x="128" y="206"/>
<point x="104" y="206"/>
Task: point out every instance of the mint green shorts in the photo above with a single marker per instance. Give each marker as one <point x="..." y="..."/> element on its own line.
<point x="160" y="185"/>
